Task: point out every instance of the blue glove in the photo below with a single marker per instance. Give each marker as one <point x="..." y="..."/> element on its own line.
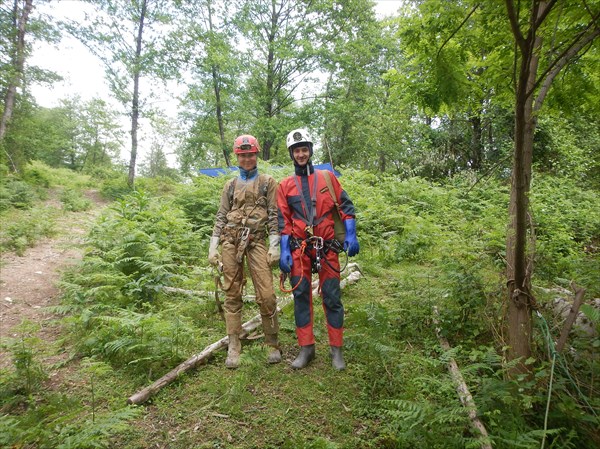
<point x="351" y="243"/>
<point x="285" y="260"/>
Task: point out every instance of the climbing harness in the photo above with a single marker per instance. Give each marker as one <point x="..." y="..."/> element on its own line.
<point x="242" y="242"/>
<point x="321" y="247"/>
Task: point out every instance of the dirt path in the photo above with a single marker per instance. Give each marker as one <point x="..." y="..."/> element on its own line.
<point x="28" y="283"/>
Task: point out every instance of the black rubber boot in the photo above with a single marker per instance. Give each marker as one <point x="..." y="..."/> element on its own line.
<point x="337" y="358"/>
<point x="307" y="353"/>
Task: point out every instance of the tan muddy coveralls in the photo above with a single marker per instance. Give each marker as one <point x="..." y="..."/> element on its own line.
<point x="242" y="228"/>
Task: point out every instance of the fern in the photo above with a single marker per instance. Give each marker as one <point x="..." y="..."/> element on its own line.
<point x="96" y="434"/>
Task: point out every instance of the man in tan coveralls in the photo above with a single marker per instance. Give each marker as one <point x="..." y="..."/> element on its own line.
<point x="247" y="214"/>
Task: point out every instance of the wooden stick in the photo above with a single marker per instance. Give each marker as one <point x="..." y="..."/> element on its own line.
<point x="198" y="359"/>
<point x="579" y="292"/>
<point x="461" y="387"/>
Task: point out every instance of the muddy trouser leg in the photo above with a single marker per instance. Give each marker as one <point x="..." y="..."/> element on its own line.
<point x="329" y="283"/>
<point x="262" y="279"/>
<point x="232" y="306"/>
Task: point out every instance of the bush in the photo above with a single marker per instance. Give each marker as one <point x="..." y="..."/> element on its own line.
<point x="74" y="201"/>
<point x="25" y="228"/>
<point x="17" y="194"/>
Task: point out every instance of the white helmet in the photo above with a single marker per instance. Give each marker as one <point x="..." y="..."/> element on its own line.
<point x="297" y="137"/>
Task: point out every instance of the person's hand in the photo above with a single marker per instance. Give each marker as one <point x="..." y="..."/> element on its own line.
<point x="351" y="243"/>
<point x="214" y="258"/>
<point x="285" y="261"/>
<point x="273" y="253"/>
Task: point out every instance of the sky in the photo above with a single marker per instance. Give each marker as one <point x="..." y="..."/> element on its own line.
<point x="83" y="73"/>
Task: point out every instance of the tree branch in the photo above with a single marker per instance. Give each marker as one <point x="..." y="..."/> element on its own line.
<point x="546" y="78"/>
<point x="514" y="23"/>
<point x="457" y="29"/>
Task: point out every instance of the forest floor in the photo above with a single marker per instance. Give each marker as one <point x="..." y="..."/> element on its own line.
<point x="28" y="283"/>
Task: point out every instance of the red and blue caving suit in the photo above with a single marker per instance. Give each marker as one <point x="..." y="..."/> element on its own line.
<point x="294" y="217"/>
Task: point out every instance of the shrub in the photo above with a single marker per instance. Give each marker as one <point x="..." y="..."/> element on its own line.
<point x="74" y="201"/>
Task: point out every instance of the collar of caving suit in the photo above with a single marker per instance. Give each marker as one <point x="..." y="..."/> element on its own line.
<point x="247" y="175"/>
<point x="304" y="170"/>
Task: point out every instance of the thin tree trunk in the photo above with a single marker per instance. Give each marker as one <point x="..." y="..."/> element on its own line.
<point x="217" y="89"/>
<point x="527" y="106"/>
<point x="476" y="143"/>
<point x="135" y="106"/>
<point x="519" y="278"/>
<point x="18" y="63"/>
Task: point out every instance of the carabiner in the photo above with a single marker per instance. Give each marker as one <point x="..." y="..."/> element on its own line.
<point x="245" y="234"/>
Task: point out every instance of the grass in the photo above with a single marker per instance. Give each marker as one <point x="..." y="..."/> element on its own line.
<point x="258" y="405"/>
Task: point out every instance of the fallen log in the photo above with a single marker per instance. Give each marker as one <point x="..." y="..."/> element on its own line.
<point x="461" y="387"/>
<point x="198" y="359"/>
<point x="143" y="395"/>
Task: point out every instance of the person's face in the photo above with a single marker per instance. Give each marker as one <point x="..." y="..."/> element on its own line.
<point x="301" y="155"/>
<point x="247" y="161"/>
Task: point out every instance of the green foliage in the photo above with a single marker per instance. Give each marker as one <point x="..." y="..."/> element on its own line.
<point x="28" y="371"/>
<point x="422" y="244"/>
<point x="200" y="202"/>
<point x="50" y="426"/>
<point x="115" y="188"/>
<point x="74" y="201"/>
<point x="137" y="248"/>
<point x="17" y="194"/>
<point x="22" y="229"/>
<point x="567" y="228"/>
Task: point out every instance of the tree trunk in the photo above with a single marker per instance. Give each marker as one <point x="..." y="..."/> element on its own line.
<point x="217" y="89"/>
<point x="527" y="105"/>
<point x="17" y="63"/>
<point x="135" y="106"/>
<point x="518" y="270"/>
<point x="476" y="143"/>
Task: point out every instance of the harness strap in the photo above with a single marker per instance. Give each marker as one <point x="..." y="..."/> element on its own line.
<point x="308" y="212"/>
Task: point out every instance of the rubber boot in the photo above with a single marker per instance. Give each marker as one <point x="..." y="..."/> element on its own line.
<point x="274" y="352"/>
<point x="337" y="358"/>
<point x="233" y="352"/>
<point x="307" y="353"/>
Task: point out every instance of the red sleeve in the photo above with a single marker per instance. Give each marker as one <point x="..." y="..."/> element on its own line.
<point x="284" y="213"/>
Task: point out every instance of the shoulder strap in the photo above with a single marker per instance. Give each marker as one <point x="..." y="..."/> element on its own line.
<point x="231" y="191"/>
<point x="263" y="184"/>
<point x="330" y="188"/>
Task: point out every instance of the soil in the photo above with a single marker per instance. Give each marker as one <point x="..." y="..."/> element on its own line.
<point x="28" y="283"/>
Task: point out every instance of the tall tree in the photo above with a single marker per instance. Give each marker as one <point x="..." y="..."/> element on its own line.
<point x="549" y="35"/>
<point x="16" y="50"/>
<point x="207" y="44"/>
<point x="128" y="37"/>
<point x="354" y="54"/>
<point x="282" y="48"/>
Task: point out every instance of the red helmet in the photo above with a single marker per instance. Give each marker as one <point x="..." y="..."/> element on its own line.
<point x="245" y="144"/>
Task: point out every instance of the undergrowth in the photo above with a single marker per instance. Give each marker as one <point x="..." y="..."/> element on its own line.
<point x="129" y="321"/>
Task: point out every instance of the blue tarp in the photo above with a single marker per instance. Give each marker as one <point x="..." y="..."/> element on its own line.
<point x="214" y="172"/>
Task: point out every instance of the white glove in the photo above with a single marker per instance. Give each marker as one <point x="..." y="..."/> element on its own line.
<point x="274" y="250"/>
<point x="214" y="258"/>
